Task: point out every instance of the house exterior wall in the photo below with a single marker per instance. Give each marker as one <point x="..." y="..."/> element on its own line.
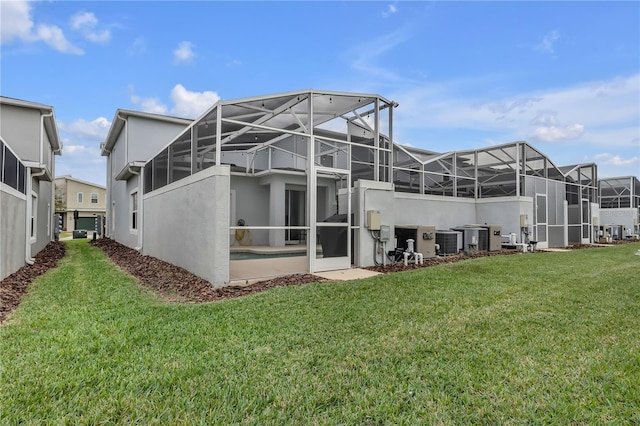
<point x="20" y="127"/>
<point x="620" y="216"/>
<point x="13" y="210"/>
<point x="506" y="212"/>
<point x="23" y="131"/>
<point x="120" y="218"/>
<point x="150" y="136"/>
<point x="139" y="139"/>
<point x="44" y="214"/>
<point x="202" y="246"/>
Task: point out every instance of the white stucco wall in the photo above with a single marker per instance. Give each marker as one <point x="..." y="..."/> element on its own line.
<point x="44" y="216"/>
<point x="505" y="211"/>
<point x="186" y="223"/>
<point x="621" y="216"/>
<point x="13" y="207"/>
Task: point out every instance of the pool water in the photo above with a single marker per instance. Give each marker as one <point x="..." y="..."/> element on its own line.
<point x="248" y="255"/>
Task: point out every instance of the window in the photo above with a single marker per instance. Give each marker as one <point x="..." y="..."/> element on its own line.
<point x="134" y="210"/>
<point x="48" y="219"/>
<point x="80" y="197"/>
<point x="34" y="214"/>
<point x="94" y="198"/>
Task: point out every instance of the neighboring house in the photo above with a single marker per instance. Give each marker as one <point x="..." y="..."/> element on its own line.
<point x="88" y="199"/>
<point x="620" y="206"/>
<point x="151" y="132"/>
<point x="301" y="182"/>
<point x="29" y="142"/>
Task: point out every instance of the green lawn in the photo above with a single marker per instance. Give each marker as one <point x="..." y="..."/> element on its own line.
<point x="545" y="338"/>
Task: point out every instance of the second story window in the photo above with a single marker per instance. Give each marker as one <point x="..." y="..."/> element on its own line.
<point x="80" y="197"/>
<point x="94" y="198"/>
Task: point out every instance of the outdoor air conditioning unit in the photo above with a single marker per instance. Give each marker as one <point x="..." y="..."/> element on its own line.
<point x="471" y="240"/>
<point x="423" y="236"/>
<point x="494" y="235"/>
<point x="426" y="241"/>
<point x="450" y="242"/>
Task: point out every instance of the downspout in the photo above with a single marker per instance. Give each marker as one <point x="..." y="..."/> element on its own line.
<point x="28" y="259"/>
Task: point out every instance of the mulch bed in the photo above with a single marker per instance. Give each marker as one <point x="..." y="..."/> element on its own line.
<point x="397" y="267"/>
<point x="176" y="284"/>
<point x="15" y="286"/>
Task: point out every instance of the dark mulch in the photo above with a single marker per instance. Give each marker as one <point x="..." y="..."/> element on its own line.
<point x="179" y="285"/>
<point x="15" y="286"/>
<point x="397" y="267"/>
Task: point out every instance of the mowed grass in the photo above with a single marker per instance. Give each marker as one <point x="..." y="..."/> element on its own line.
<point x="548" y="338"/>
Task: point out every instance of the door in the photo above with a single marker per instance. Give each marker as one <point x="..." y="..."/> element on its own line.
<point x="333" y="220"/>
<point x="295" y="213"/>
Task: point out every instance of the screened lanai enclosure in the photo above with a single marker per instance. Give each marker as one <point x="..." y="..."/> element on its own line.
<point x="619" y="206"/>
<point x="511" y="170"/>
<point x="287" y="183"/>
<point x="293" y="158"/>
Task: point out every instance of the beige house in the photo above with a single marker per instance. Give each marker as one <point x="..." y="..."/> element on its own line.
<point x="89" y="199"/>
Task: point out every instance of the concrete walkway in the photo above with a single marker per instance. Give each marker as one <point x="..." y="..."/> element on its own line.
<point x="347" y="274"/>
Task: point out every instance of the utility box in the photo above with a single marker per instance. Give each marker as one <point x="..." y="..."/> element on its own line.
<point x="495" y="237"/>
<point x="373" y="220"/>
<point x="79" y="233"/>
<point x="424" y="238"/>
<point x="426" y="241"/>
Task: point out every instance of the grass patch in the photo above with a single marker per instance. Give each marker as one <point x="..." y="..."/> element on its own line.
<point x="536" y="338"/>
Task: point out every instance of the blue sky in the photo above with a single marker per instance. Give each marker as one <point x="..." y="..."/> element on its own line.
<point x="564" y="76"/>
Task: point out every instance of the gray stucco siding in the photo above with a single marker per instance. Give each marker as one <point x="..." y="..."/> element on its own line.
<point x="13" y="208"/>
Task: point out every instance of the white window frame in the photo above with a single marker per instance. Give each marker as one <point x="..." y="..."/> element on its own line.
<point x="80" y="198"/>
<point x="34" y="216"/>
<point x="133" y="225"/>
<point x="96" y="198"/>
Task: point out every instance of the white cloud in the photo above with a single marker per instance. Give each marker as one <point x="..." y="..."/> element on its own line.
<point x="94" y="130"/>
<point x="191" y="104"/>
<point x="53" y="36"/>
<point x="16" y="24"/>
<point x="391" y="9"/>
<point x="184" y="53"/>
<point x="138" y="47"/>
<point x="364" y="57"/>
<point x="15" y="21"/>
<point x="186" y="103"/>
<point x="555" y="133"/>
<point x="596" y="106"/>
<point x="152" y="105"/>
<point x="86" y="23"/>
<point x="546" y="45"/>
<point x="83" y="20"/>
<point x="615" y="160"/>
<point x="234" y="63"/>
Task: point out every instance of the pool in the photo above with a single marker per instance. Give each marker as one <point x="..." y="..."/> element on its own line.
<point x="250" y="255"/>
